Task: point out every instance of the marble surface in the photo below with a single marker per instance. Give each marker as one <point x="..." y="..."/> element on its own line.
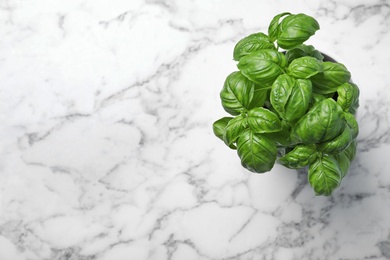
<point x="106" y="146"/>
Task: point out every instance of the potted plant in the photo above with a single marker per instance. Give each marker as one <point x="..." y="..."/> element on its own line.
<point x="290" y="105"/>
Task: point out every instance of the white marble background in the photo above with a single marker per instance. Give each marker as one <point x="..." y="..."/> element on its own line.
<point x="106" y="146"/>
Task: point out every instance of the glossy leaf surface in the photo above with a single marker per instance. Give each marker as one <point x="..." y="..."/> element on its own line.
<point x="296" y="29"/>
<point x="282" y="137"/>
<point x="304" y="67"/>
<point x="302" y="51"/>
<point x="339" y="143"/>
<point x="291" y="97"/>
<point x="324" y="175"/>
<point x="262" y="120"/>
<point x="237" y="93"/>
<point x="333" y="75"/>
<point x="350" y="152"/>
<point x="352" y="124"/>
<point x="219" y="129"/>
<point x="299" y="157"/>
<point x="260" y="95"/>
<point x="233" y="129"/>
<point x="323" y="122"/>
<point x="263" y="66"/>
<point x="251" y="43"/>
<point x="257" y="152"/>
<point x="273" y="28"/>
<point x="343" y="162"/>
<point x="348" y="97"/>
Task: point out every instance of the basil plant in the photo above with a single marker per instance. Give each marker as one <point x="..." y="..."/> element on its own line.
<point x="290" y="105"/>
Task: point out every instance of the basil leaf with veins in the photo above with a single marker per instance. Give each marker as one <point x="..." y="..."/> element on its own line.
<point x="251" y="43"/>
<point x="324" y="175"/>
<point x="273" y="28"/>
<point x="237" y="93"/>
<point x="233" y="129"/>
<point x="302" y="51"/>
<point x="296" y="29"/>
<point x="262" y="120"/>
<point x="348" y="97"/>
<point x="304" y="67"/>
<point x="299" y="157"/>
<point x="291" y="97"/>
<point x="323" y="122"/>
<point x="332" y="76"/>
<point x="263" y="66"/>
<point x="219" y="129"/>
<point x="257" y="152"/>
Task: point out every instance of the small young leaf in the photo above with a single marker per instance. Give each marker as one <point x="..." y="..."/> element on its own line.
<point x="302" y="51"/>
<point x="333" y="75"/>
<point x="263" y="66"/>
<point x="324" y="175"/>
<point x="261" y="120"/>
<point x="304" y="67"/>
<point x="299" y="157"/>
<point x="348" y="96"/>
<point x="233" y="129"/>
<point x="274" y="25"/>
<point x="323" y="122"/>
<point x="296" y="29"/>
<point x="251" y="43"/>
<point x="257" y="152"/>
<point x="219" y="129"/>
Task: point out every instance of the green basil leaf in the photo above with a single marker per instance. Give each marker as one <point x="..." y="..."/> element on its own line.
<point x="348" y="96"/>
<point x="263" y="66"/>
<point x="350" y="152"/>
<point x="299" y="100"/>
<point x="299" y="157"/>
<point x="302" y="51"/>
<point x="352" y="124"/>
<point x="219" y="129"/>
<point x="296" y="29"/>
<point x="318" y="97"/>
<point x="274" y="25"/>
<point x="260" y="95"/>
<point x="343" y="162"/>
<point x="282" y="137"/>
<point x="324" y="175"/>
<point x="280" y="93"/>
<point x="354" y="107"/>
<point x="323" y="122"/>
<point x="219" y="126"/>
<point x="337" y="144"/>
<point x="233" y="129"/>
<point x="333" y="75"/>
<point x="290" y="97"/>
<point x="304" y="67"/>
<point x="257" y="152"/>
<point x="251" y="43"/>
<point x="237" y="93"/>
<point x="261" y="120"/>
